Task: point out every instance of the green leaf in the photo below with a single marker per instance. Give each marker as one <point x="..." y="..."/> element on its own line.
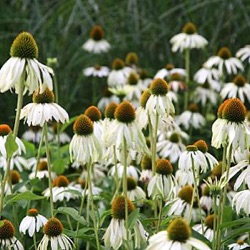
<point x="237" y="232"/>
<point x="30" y="148"/>
<point x="104" y="215"/>
<point x="10" y="145"/>
<point x="235" y="223"/>
<point x="59" y="166"/>
<point x="132" y="218"/>
<point x="28" y="195"/>
<point x="72" y="212"/>
<point x="201" y="237"/>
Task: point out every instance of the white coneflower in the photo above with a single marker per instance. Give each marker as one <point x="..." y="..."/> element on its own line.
<point x="146" y="169"/>
<point x="7" y="238"/>
<point x="135" y="193"/>
<point x="206" y="200"/>
<point x="53" y="234"/>
<point x="42" y="170"/>
<point x="163" y="182"/>
<point x="24" y="67"/>
<point x="96" y="71"/>
<point x="169" y="69"/>
<point x="96" y="43"/>
<point x="95" y="116"/>
<point x="132" y="171"/>
<point x="43" y="109"/>
<point x="239" y="88"/>
<point x="34" y="134"/>
<point x="4" y="131"/>
<point x="188" y="39"/>
<point x="203" y="94"/>
<point x="159" y="101"/>
<point x="61" y="189"/>
<point x="82" y="187"/>
<point x="116" y="232"/>
<point x="126" y="129"/>
<point x="225" y="61"/>
<point x="119" y="74"/>
<point x="244" y="53"/>
<point x="172" y="147"/>
<point x="32" y="222"/>
<point x="207" y="229"/>
<point x="241" y="202"/>
<point x="211" y="76"/>
<point x="203" y="147"/>
<point x="132" y="60"/>
<point x="181" y="205"/>
<point x="176" y="237"/>
<point x="239" y="245"/>
<point x="177" y="82"/>
<point x="191" y="117"/>
<point x="244" y="177"/>
<point x="184" y="177"/>
<point x="193" y="156"/>
<point x="107" y="98"/>
<point x="141" y="113"/>
<point x="231" y="128"/>
<point x="84" y="146"/>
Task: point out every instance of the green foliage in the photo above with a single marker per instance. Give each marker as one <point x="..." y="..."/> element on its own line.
<point x="10" y="145"/>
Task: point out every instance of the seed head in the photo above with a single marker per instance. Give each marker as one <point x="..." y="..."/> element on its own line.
<point x="201" y="145"/>
<point x="234" y="110"/>
<point x="239" y="81"/>
<point x="133" y="78"/>
<point x="83" y="125"/>
<point x="146" y="162"/>
<point x="53" y="227"/>
<point x="32" y="212"/>
<point x="144" y="98"/>
<point x="159" y="87"/>
<point x="132" y="58"/>
<point x="118" y="64"/>
<point x="14" y="177"/>
<point x="97" y="33"/>
<point x="7" y="230"/>
<point x="110" y="110"/>
<point x="179" y="230"/>
<point x="125" y="112"/>
<point x="189" y="28"/>
<point x="93" y="113"/>
<point x="4" y="129"/>
<point x="186" y="194"/>
<point x="24" y="46"/>
<point x="131" y="183"/>
<point x="209" y="221"/>
<point x="224" y="53"/>
<point x="46" y="97"/>
<point x="164" y="167"/>
<point x="61" y="181"/>
<point x="118" y="207"/>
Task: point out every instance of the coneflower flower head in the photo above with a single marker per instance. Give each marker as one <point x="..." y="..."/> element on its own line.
<point x="93" y="113"/>
<point x="118" y="207"/>
<point x="110" y="110"/>
<point x="179" y="230"/>
<point x="83" y="125"/>
<point x="24" y="46"/>
<point x="23" y="67"/>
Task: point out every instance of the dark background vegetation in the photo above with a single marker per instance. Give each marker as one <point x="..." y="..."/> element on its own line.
<point x="60" y="27"/>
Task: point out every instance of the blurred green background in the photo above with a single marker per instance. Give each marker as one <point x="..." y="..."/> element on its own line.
<point x="60" y="27"/>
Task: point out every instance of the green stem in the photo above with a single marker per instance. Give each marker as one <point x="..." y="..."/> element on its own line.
<point x="215" y="227"/>
<point x="49" y="168"/>
<point x="187" y="67"/>
<point x="80" y="213"/>
<point x="116" y="171"/>
<point x="67" y="216"/>
<point x="226" y="163"/>
<point x="160" y="214"/>
<point x="125" y="185"/>
<point x="15" y="132"/>
<point x="34" y="240"/>
<point x="197" y="193"/>
<point x="90" y="199"/>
